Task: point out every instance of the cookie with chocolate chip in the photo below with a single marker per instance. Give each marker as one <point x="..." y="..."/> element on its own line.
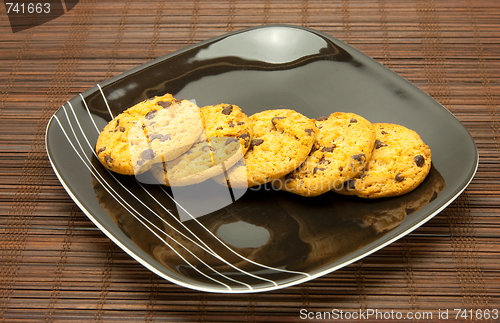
<point x="342" y="149"/>
<point x="160" y="128"/>
<point x="227" y="121"/>
<point x="226" y="138"/>
<point x="400" y="162"/>
<point x="282" y="139"/>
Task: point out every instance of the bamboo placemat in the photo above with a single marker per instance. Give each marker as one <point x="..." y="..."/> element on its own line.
<point x="57" y="266"/>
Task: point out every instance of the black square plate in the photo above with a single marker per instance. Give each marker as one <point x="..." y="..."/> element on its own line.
<point x="266" y="239"/>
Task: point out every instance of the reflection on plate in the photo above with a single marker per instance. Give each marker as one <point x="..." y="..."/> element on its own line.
<point x="265" y="239"/>
<point x="280" y="239"/>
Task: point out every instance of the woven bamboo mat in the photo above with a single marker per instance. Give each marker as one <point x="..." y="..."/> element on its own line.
<point x="57" y="266"/>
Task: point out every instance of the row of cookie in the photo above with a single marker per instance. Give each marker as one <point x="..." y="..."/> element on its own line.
<point x="342" y="152"/>
<point x="352" y="156"/>
<point x="182" y="144"/>
<point x="163" y="134"/>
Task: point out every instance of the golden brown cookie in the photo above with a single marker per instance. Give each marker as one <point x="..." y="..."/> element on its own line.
<point x="226" y="138"/>
<point x="160" y="128"/>
<point x="282" y="139"/>
<point x="399" y="163"/>
<point x="342" y="149"/>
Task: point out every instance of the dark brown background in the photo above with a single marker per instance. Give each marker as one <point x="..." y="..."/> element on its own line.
<point x="57" y="266"/>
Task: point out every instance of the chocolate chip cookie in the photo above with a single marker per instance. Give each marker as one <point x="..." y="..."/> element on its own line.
<point x="282" y="139"/>
<point x="342" y="149"/>
<point x="400" y="162"/>
<point x="160" y="128"/>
